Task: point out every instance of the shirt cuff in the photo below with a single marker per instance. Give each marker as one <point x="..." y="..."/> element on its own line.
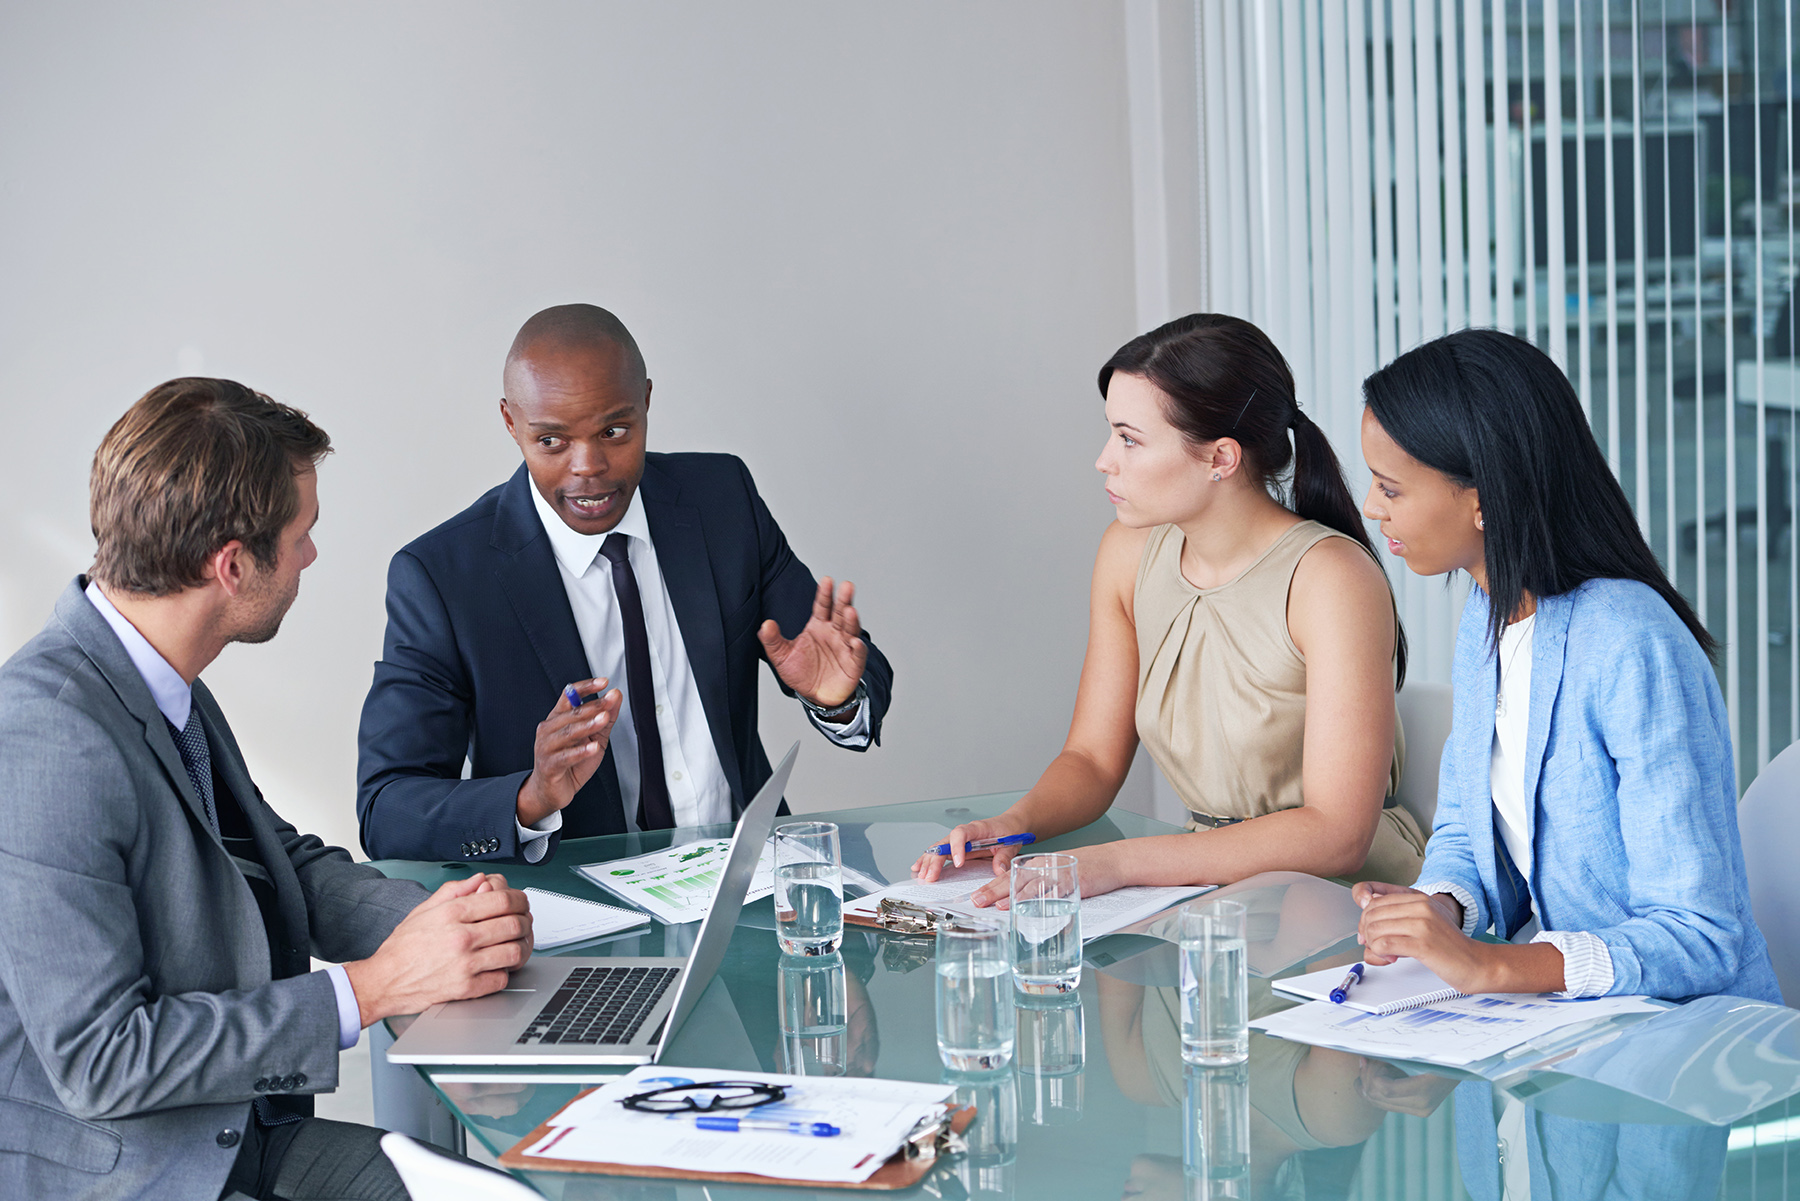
<point x="854" y="732"/>
<point x="534" y="839"/>
<point x="349" y="1012"/>
<point x="1587" y="964"/>
<point x="1463" y="896"/>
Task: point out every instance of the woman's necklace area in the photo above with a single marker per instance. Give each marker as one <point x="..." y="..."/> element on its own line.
<point x="1507" y="666"/>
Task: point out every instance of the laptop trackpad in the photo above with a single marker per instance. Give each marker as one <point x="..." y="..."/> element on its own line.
<point x="509" y="1004"/>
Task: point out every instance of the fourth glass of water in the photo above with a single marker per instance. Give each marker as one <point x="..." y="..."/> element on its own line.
<point x="809" y="888"/>
<point x="1215" y="989"/>
<point x="1046" y="923"/>
<point x="975" y="1022"/>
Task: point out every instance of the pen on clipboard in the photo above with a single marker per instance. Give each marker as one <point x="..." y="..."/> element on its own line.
<point x="982" y="844"/>
<point x="735" y="1125"/>
<point x="1341" y="993"/>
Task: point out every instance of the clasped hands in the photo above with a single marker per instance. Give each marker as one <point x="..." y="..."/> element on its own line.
<point x="823" y="663"/>
<point x="459" y="943"/>
<point x="1405" y="923"/>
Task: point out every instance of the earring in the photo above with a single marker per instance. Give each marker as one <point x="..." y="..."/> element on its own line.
<point x="1217" y="477"/>
<point x="1480" y="524"/>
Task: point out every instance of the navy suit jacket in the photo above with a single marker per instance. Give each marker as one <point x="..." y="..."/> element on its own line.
<point x="480" y="641"/>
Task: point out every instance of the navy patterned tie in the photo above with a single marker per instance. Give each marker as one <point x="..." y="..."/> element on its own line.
<point x="654" y="810"/>
<point x="197" y="758"/>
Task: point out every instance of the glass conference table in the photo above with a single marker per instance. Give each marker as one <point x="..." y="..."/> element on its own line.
<point x="1097" y="1102"/>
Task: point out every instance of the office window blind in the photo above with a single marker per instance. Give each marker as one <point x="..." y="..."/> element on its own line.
<point x="1613" y="180"/>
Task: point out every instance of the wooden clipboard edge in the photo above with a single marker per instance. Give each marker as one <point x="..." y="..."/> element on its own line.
<point x="897" y="1173"/>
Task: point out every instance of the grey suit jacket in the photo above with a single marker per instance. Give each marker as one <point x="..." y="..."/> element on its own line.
<point x="137" y="1013"/>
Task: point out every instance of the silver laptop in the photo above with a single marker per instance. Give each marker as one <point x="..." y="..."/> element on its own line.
<point x="570" y="1009"/>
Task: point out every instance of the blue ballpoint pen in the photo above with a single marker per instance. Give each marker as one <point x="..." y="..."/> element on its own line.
<point x="573" y="697"/>
<point x="815" y="1129"/>
<point x="1342" y="991"/>
<point x="1011" y="840"/>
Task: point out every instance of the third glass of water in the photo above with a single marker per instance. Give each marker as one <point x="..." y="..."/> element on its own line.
<point x="809" y="888"/>
<point x="975" y="1025"/>
<point x="1215" y="989"/>
<point x="1046" y="923"/>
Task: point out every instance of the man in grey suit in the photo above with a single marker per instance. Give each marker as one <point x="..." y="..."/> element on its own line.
<point x="161" y="1033"/>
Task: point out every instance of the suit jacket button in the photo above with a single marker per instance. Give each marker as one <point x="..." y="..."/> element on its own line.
<point x="300" y="1080"/>
<point x="289" y="1084"/>
<point x="261" y="1085"/>
<point x="227" y="1139"/>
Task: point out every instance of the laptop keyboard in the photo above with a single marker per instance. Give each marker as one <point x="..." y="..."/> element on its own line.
<point x="598" y="1006"/>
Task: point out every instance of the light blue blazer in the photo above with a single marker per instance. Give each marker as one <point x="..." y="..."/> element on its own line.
<point x="1628" y="759"/>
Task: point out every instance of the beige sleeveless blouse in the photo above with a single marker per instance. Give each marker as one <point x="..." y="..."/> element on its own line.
<point x="1221" y="703"/>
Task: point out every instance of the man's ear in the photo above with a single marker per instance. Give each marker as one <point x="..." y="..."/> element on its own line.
<point x="507" y="417"/>
<point x="647" y="384"/>
<point x="230" y="565"/>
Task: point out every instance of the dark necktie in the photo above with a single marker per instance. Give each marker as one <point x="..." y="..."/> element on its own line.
<point x="654" y="810"/>
<point x="197" y="758"/>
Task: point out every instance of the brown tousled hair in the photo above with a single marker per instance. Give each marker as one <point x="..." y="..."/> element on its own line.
<point x="195" y="464"/>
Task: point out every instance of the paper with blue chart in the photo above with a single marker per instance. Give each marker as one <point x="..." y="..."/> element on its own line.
<point x="677" y="884"/>
<point x="1454" y="1032"/>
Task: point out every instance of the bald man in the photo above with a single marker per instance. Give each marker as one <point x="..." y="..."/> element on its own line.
<point x="576" y="653"/>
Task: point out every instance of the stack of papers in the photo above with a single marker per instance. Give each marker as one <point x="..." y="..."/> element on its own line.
<point x="1454" y="1033"/>
<point x="875" y="1117"/>
<point x="1100" y="916"/>
<point x="1403" y="984"/>
<point x="677" y="884"/>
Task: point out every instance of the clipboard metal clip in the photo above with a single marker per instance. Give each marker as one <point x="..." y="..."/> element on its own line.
<point x="933" y="1136"/>
<point x="907" y="917"/>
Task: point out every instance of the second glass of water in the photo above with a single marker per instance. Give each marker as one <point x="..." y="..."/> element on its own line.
<point x="809" y="888"/>
<point x="975" y="1024"/>
<point x="1046" y="923"/>
<point x="1215" y="988"/>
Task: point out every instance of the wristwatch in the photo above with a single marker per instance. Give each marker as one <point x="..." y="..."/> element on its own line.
<point x="856" y="698"/>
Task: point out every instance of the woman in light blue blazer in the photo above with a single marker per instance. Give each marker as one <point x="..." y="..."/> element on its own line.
<point x="1587" y="805"/>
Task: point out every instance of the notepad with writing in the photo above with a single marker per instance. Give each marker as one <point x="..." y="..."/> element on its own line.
<point x="1403" y="984"/>
<point x="558" y="920"/>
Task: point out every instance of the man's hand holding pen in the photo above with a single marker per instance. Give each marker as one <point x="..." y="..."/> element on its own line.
<point x="570" y="743"/>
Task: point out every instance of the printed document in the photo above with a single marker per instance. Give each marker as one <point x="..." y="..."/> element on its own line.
<point x="1100" y="916"/>
<point x="1455" y="1032"/>
<point x="875" y="1116"/>
<point x="677" y="884"/>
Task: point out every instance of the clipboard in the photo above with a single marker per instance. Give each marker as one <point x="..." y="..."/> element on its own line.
<point x="903" y="1169"/>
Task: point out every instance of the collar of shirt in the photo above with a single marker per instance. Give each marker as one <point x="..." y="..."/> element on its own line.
<point x="576" y="551"/>
<point x="171" y="693"/>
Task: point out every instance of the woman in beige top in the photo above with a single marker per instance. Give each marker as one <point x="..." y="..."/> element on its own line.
<point x="1253" y="648"/>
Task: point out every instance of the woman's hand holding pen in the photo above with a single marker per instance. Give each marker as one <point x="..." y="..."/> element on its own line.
<point x="569" y="746"/>
<point x="1404" y="923"/>
<point x="930" y="865"/>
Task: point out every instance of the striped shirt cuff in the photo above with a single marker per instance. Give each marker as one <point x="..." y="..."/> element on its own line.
<point x="534" y="840"/>
<point x="1463" y="896"/>
<point x="1587" y="964"/>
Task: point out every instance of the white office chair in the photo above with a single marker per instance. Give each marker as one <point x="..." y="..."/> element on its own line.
<point x="1769" y="824"/>
<point x="429" y="1176"/>
<point x="1425" y="715"/>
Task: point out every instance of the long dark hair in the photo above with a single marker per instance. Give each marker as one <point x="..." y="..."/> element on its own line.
<point x="1494" y="413"/>
<point x="1224" y="378"/>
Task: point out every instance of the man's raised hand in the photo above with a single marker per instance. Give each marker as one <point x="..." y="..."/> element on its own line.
<point x="825" y="661"/>
<point x="567" y="750"/>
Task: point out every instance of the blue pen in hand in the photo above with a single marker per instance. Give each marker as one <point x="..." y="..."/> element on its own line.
<point x="570" y="695"/>
<point x="1342" y="992"/>
<point x="1011" y="840"/>
<point x="815" y="1129"/>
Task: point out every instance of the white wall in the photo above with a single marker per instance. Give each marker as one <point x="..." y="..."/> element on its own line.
<point x="879" y="251"/>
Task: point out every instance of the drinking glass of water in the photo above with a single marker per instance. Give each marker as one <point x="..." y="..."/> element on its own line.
<point x="1046" y="923"/>
<point x="815" y="1016"/>
<point x="809" y="888"/>
<point x="975" y="1027"/>
<point x="1215" y="991"/>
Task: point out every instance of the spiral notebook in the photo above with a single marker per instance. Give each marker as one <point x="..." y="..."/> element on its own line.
<point x="1403" y="984"/>
<point x="558" y="920"/>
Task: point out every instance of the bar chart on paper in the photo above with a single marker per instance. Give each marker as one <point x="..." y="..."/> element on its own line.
<point x="677" y="884"/>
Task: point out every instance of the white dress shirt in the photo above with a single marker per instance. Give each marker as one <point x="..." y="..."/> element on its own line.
<point x="174" y="698"/>
<point x="699" y="792"/>
<point x="1587" y="964"/>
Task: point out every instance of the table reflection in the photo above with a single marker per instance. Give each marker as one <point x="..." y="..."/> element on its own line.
<point x="1050" y="1058"/>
